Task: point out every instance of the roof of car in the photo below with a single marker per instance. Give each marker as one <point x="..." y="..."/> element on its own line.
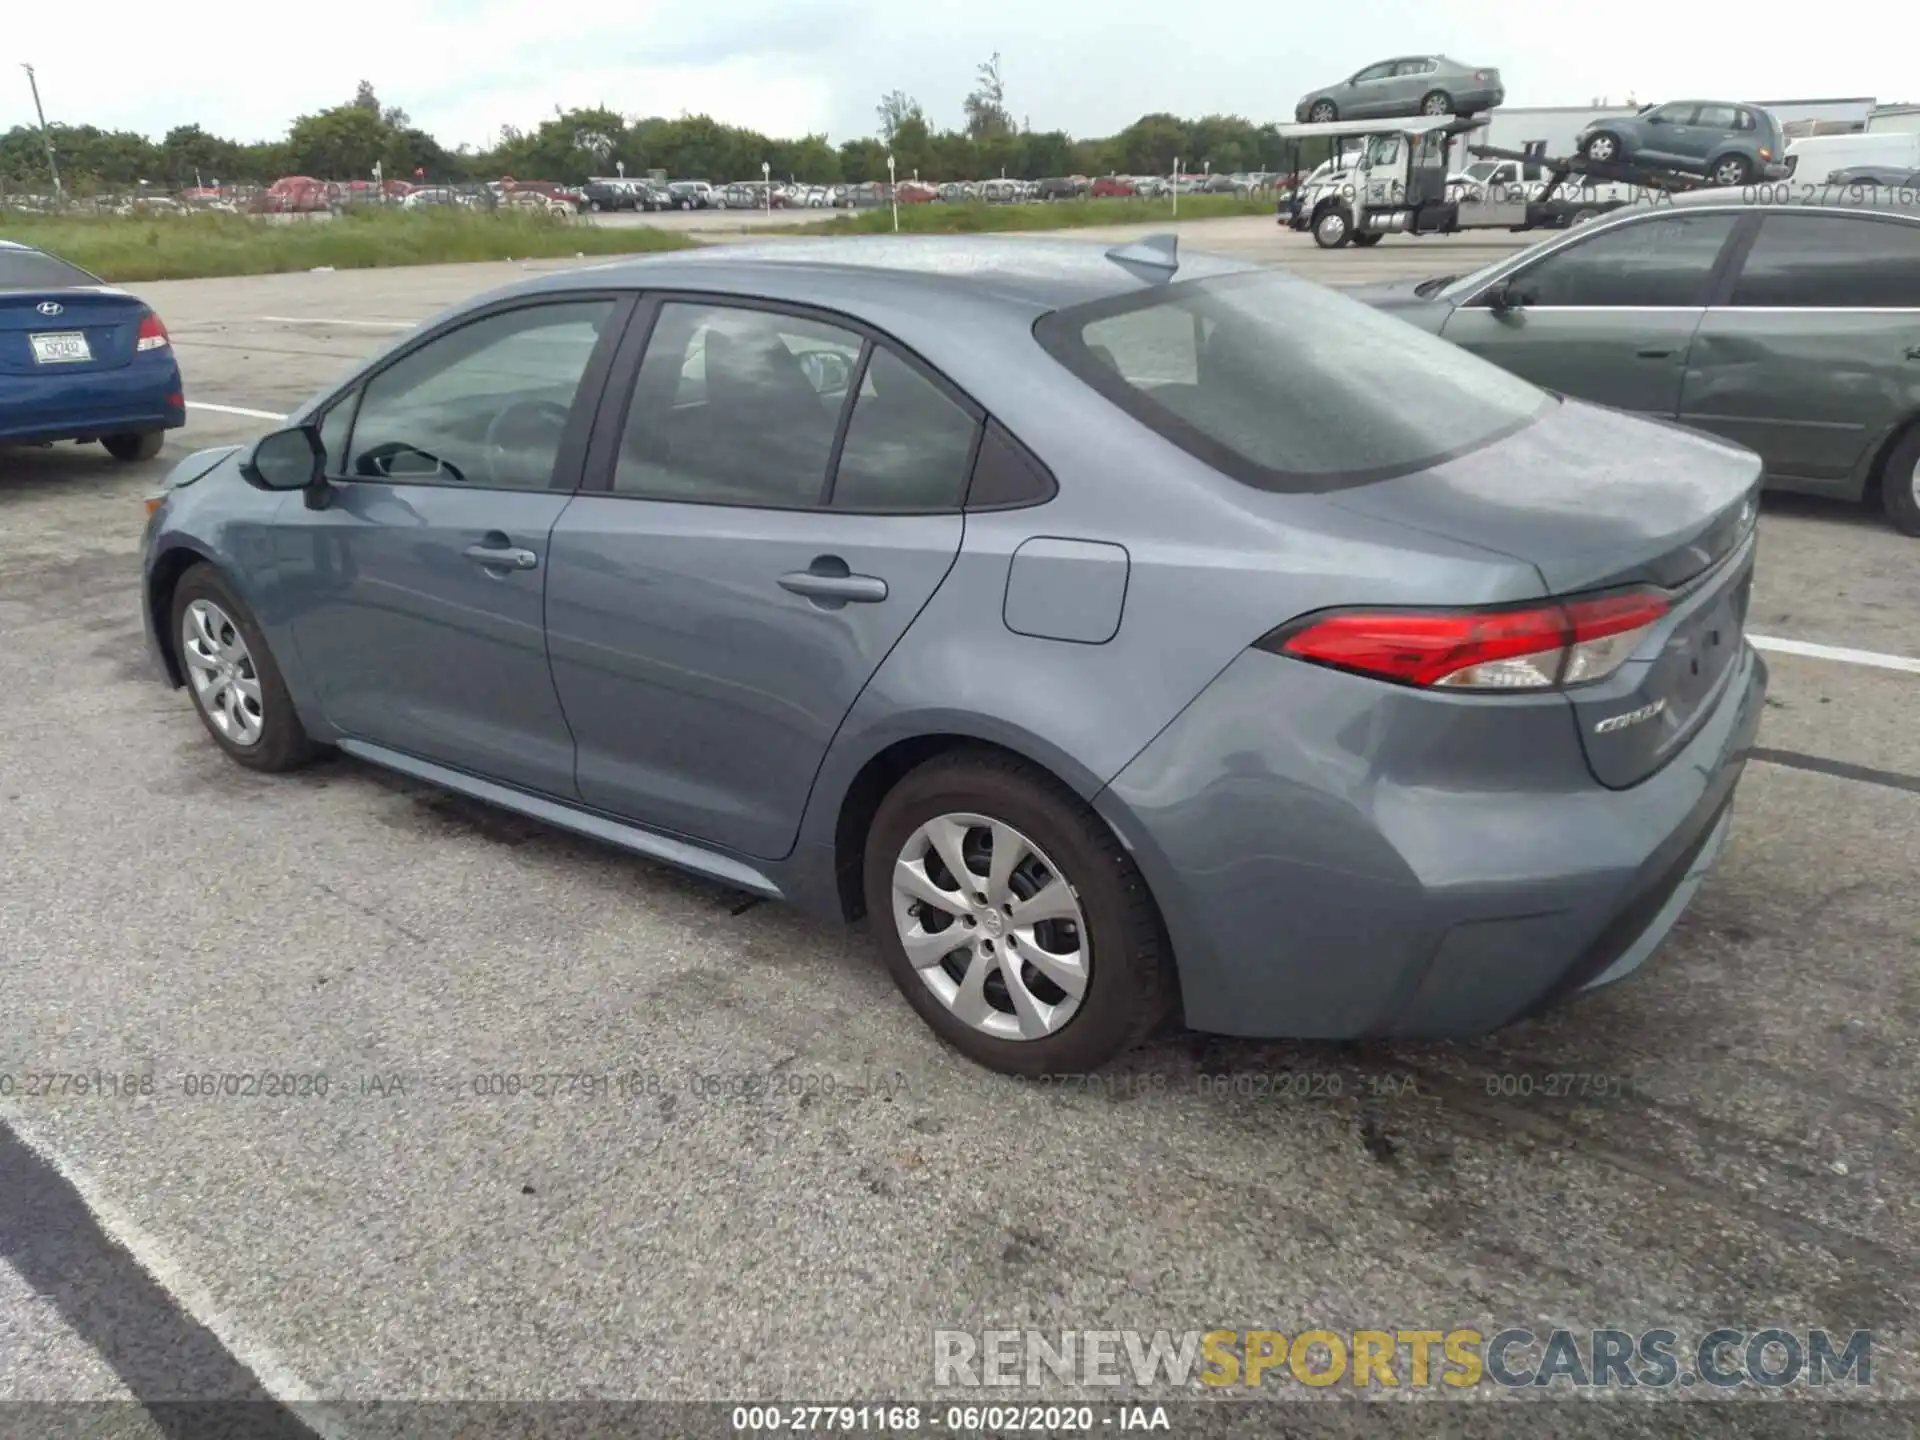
<point x="1030" y="275"/>
<point x="1787" y="196"/>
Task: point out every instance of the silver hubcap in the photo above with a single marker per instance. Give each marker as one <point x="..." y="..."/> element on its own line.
<point x="225" y="683"/>
<point x="1730" y="173"/>
<point x="991" y="926"/>
<point x="1332" y="227"/>
<point x="1913" y="482"/>
<point x="1601" y="149"/>
<point x="1436" y="106"/>
<point x="1321" y="114"/>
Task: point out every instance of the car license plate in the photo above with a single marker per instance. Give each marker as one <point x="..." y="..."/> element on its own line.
<point x="61" y="348"/>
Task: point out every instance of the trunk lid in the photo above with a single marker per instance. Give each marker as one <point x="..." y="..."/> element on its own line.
<point x="1597" y="500"/>
<point x="107" y="319"/>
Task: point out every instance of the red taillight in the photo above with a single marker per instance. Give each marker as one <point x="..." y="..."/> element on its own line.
<point x="1535" y="647"/>
<point x="153" y="335"/>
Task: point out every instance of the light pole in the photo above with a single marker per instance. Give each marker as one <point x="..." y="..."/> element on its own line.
<point x="1176" y="187"/>
<point x="46" y="136"/>
<point x="766" y="183"/>
<point x="893" y="196"/>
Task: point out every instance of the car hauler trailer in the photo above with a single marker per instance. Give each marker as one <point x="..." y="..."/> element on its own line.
<point x="1397" y="185"/>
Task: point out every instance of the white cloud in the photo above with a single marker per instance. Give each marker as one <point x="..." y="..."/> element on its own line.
<point x="463" y="68"/>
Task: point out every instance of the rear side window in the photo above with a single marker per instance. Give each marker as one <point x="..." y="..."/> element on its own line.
<point x="35" y="270"/>
<point x="1832" y="261"/>
<point x="1285" y="385"/>
<point x="1664" y="260"/>
<point x="908" y="446"/>
<point x="1717" y="117"/>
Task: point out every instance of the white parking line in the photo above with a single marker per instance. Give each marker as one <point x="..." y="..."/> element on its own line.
<point x="235" y="410"/>
<point x="276" y="1377"/>
<point x="1840" y="653"/>
<point x="330" y="320"/>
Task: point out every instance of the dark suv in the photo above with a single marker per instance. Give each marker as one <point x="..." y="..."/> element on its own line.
<point x="1729" y="144"/>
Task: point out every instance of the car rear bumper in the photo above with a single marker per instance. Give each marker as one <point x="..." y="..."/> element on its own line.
<point x="1331" y="865"/>
<point x="1469" y="102"/>
<point x="87" y="405"/>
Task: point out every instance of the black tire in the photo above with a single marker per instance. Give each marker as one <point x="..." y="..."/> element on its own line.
<point x="143" y="446"/>
<point x="1731" y="170"/>
<point x="1900" y="484"/>
<point x="284" y="743"/>
<point x="595" y="206"/>
<point x="1604" y="140"/>
<point x="1445" y="106"/>
<point x="1366" y="240"/>
<point x="1322" y="112"/>
<point x="1328" y="236"/>
<point x="1130" y="985"/>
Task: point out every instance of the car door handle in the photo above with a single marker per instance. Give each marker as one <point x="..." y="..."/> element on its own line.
<point x="1913" y="352"/>
<point x="1655" y="352"/>
<point x="829" y="579"/>
<point x="501" y="557"/>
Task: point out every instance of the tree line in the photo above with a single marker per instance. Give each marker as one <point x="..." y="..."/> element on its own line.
<point x="348" y="141"/>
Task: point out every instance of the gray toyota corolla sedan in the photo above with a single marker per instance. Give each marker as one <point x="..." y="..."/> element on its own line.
<point x="1122" y="632"/>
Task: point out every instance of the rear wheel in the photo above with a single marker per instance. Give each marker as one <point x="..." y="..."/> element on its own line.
<point x="1602" y="145"/>
<point x="143" y="446"/>
<point x="1732" y="170"/>
<point x="1322" y="112"/>
<point x="1012" y="919"/>
<point x="236" y="686"/>
<point x="1900" y="485"/>
<point x="1437" y="102"/>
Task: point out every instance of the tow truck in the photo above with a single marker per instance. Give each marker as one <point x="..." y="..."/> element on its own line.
<point x="1397" y="184"/>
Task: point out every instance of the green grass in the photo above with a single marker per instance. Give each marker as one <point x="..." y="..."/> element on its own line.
<point x="187" y="247"/>
<point x="939" y="218"/>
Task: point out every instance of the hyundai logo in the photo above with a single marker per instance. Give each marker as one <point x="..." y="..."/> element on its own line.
<point x="50" y="307"/>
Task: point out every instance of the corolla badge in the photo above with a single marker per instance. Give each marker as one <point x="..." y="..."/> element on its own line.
<point x="1632" y="717"/>
<point x="50" y="307"/>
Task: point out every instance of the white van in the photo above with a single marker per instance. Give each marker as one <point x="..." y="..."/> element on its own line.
<point x="1814" y="157"/>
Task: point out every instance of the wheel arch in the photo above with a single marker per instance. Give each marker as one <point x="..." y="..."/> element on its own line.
<point x="162" y="580"/>
<point x="853" y="804"/>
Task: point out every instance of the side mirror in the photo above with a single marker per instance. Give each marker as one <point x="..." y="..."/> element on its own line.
<point x="287" y="460"/>
<point x="292" y="459"/>
<point x="1504" y="299"/>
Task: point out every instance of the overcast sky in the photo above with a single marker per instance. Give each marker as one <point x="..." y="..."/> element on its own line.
<point x="463" y="68"/>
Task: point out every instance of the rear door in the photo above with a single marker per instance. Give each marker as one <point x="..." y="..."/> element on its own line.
<point x="1811" y="353"/>
<point x="1609" y="315"/>
<point x="772" y="500"/>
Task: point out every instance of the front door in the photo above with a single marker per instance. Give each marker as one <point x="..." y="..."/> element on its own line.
<point x="722" y="595"/>
<point x="1814" y="356"/>
<point x="417" y="593"/>
<point x="1607" y="317"/>
<point x="1370" y="93"/>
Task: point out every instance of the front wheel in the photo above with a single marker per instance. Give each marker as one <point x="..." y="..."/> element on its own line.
<point x="143" y="446"/>
<point x="1012" y="919"/>
<point x="1323" y="112"/>
<point x="236" y="686"/>
<point x="1331" y="229"/>
<point x="1900" y="485"/>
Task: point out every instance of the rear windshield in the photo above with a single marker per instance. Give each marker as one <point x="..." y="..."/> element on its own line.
<point x="1286" y="385"/>
<point x="32" y="270"/>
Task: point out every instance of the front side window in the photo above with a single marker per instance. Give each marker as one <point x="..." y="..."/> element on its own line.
<point x="1663" y="260"/>
<point x="1383" y="150"/>
<point x="1285" y="385"/>
<point x="1376" y="72"/>
<point x="483" y="405"/>
<point x="1832" y="261"/>
<point x="735" y="407"/>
